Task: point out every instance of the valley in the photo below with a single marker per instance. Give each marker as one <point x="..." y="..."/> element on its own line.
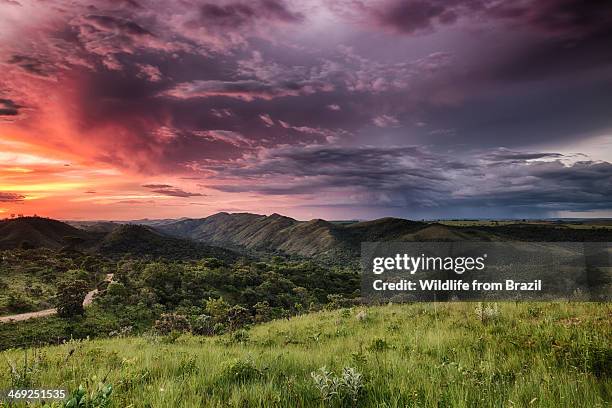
<point x="255" y="310"/>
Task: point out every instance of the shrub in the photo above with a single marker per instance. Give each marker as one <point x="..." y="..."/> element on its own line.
<point x="22" y="376"/>
<point x="99" y="398"/>
<point x="202" y="325"/>
<point x="337" y="301"/>
<point x="263" y="312"/>
<point x="237" y="317"/>
<point x="332" y="387"/>
<point x="70" y="297"/>
<point x="240" y="370"/>
<point x="219" y="328"/>
<point x="378" y="345"/>
<point x="18" y="303"/>
<point x="171" y="322"/>
<point x="486" y="312"/>
<point x="240" y="336"/>
<point x="217" y="309"/>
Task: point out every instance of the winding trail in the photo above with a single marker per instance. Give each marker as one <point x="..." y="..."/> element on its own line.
<point x="50" y="312"/>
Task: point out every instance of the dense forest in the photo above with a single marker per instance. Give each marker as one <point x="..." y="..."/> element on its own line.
<point x="207" y="296"/>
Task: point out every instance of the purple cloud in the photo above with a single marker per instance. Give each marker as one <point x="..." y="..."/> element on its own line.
<point x="237" y="14"/>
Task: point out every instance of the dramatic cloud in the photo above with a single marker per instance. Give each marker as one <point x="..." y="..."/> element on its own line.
<point x="421" y="181"/>
<point x="415" y="15"/>
<point x="574" y="18"/>
<point x="434" y="107"/>
<point x="234" y="15"/>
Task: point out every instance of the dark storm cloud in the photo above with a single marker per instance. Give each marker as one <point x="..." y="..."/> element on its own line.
<point x="10" y="197"/>
<point x="308" y="170"/>
<point x="413" y="178"/>
<point x="412" y="16"/>
<point x="285" y="98"/>
<point x="573" y="36"/>
<point x="574" y="18"/>
<point x="8" y="108"/>
<point x="237" y="14"/>
<point x="568" y="17"/>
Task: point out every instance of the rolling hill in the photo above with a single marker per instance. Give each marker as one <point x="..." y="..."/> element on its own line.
<point x="111" y="239"/>
<point x="36" y="232"/>
<point x="142" y="240"/>
<point x="324" y="239"/>
<point x="259" y="234"/>
<point x="320" y="238"/>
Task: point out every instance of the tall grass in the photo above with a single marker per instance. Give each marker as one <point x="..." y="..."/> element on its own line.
<point x="419" y="355"/>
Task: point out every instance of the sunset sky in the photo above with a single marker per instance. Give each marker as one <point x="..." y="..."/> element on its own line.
<point x="330" y="109"/>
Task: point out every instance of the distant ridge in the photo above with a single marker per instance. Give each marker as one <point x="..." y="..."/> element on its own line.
<point x="36" y="232"/>
<point x="224" y="235"/>
<point x="342" y="240"/>
<point x="280" y="234"/>
<point x="143" y="240"/>
<point x="103" y="237"/>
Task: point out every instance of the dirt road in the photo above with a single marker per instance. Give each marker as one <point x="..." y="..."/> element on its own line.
<point x="50" y="312"/>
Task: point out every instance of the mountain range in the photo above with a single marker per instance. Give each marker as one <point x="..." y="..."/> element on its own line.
<point x="342" y="240"/>
<point x="226" y="235"/>
<point x="111" y="239"/>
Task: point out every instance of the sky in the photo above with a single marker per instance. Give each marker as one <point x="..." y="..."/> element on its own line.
<point x="335" y="109"/>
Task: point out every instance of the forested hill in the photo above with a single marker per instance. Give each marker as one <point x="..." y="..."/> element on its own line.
<point x="320" y="238"/>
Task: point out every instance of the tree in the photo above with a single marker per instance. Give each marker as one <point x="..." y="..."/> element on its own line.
<point x="263" y="312"/>
<point x="172" y="322"/>
<point x="217" y="309"/>
<point x="202" y="325"/>
<point x="70" y="297"/>
<point x="237" y="317"/>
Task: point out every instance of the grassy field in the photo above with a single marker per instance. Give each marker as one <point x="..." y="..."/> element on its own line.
<point x="419" y="355"/>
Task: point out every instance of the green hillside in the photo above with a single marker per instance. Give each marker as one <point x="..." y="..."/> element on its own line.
<point x="420" y="355"/>
<point x="139" y="240"/>
<point x="103" y="238"/>
<point x="326" y="240"/>
<point x="37" y="232"/>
